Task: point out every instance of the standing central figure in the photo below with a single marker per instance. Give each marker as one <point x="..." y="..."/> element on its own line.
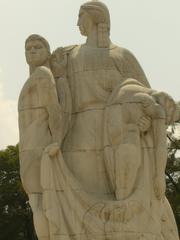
<point x="95" y="69"/>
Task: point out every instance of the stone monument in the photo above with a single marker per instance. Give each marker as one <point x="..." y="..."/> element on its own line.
<point x="93" y="139"/>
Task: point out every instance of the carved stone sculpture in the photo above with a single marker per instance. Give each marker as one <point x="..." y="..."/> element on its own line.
<point x="93" y="139"/>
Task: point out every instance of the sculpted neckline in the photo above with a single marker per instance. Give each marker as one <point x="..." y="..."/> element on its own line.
<point x="112" y="46"/>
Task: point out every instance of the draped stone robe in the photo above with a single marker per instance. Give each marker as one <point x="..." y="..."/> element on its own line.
<point x="93" y="74"/>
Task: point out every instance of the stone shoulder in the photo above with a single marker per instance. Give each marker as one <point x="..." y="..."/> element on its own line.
<point x="68" y="49"/>
<point x="43" y="73"/>
<point x="120" y="51"/>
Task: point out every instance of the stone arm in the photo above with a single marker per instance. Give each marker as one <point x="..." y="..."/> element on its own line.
<point x="157" y="113"/>
<point x="55" y="122"/>
<point x="132" y="68"/>
<point x="58" y="63"/>
<point x="49" y="100"/>
<point x="128" y="66"/>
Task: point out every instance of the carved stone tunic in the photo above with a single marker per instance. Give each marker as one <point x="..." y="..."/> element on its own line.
<point x="37" y="94"/>
<point x="93" y="74"/>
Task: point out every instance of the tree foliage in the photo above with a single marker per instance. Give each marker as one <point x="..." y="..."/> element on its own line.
<point x="15" y="213"/>
<point x="173" y="171"/>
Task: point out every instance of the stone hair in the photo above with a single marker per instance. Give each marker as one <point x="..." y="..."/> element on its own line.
<point x="34" y="37"/>
<point x="100" y="15"/>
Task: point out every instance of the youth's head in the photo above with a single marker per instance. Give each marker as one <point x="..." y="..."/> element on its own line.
<point x="37" y="50"/>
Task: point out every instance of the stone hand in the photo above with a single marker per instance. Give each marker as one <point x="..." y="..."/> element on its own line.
<point x="59" y="62"/>
<point x="52" y="149"/>
<point x="60" y="56"/>
<point x="144" y="123"/>
<point x="159" y="187"/>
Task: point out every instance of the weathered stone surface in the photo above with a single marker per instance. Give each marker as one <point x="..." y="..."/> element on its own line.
<point x="93" y="139"/>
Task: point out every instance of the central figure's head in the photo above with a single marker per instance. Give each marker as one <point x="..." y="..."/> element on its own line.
<point x="95" y="14"/>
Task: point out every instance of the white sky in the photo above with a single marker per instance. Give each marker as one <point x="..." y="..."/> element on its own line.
<point x="149" y="28"/>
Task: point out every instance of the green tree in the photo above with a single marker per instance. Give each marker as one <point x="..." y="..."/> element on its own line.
<point x="173" y="171"/>
<point x="15" y="213"/>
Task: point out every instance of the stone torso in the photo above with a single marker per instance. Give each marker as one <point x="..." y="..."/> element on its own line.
<point x="92" y="76"/>
<point x="35" y="135"/>
<point x="33" y="115"/>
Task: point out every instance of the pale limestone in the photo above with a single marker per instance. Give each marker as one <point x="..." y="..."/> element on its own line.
<point x="93" y="140"/>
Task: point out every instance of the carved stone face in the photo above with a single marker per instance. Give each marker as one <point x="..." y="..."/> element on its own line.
<point x="36" y="53"/>
<point x="85" y="22"/>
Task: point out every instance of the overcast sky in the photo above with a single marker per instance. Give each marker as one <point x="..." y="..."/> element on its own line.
<point x="148" y="28"/>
